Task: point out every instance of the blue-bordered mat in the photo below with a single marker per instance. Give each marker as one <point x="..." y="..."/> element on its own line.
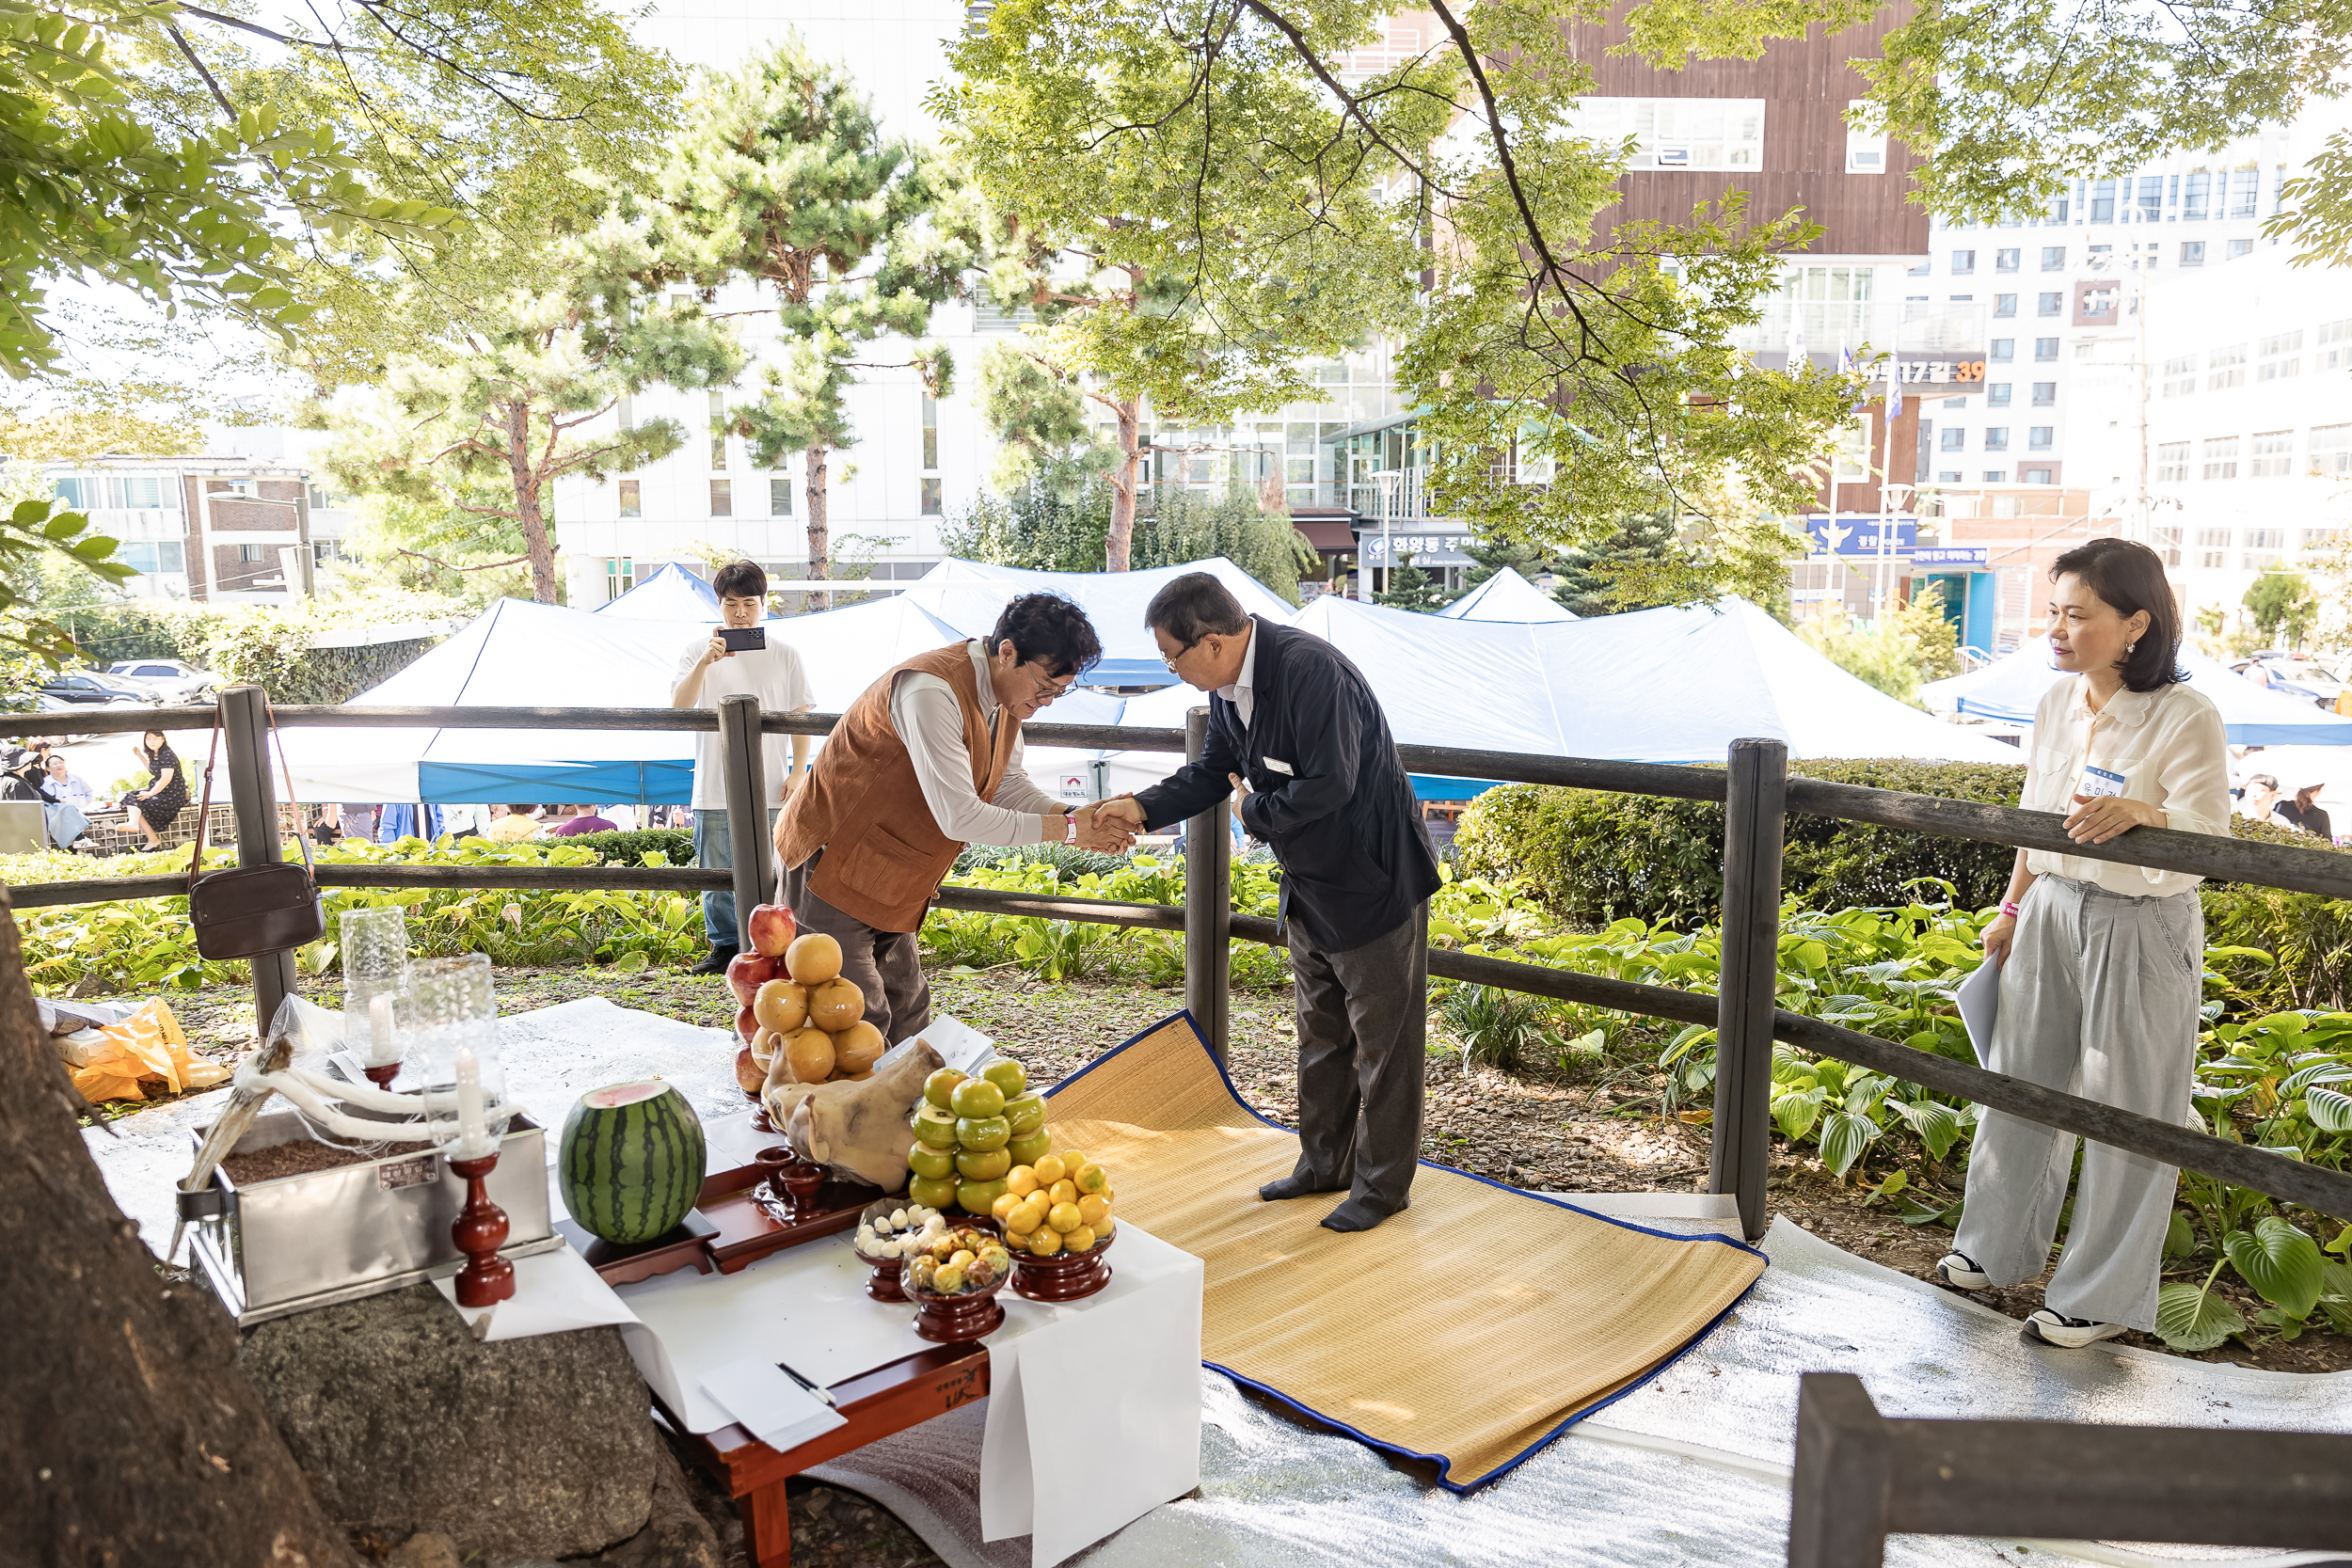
<point x="1468" y="1330"/>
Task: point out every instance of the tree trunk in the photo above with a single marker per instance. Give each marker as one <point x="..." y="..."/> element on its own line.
<point x="1124" y="483"/>
<point x="819" y="539"/>
<point x="537" y="539"/>
<point x="127" y="1435"/>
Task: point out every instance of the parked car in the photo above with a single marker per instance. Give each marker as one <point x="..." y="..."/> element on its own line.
<point x="173" y="680"/>
<point x="89" y="686"/>
<point x="44" y="702"/>
<point x="2297" y="675"/>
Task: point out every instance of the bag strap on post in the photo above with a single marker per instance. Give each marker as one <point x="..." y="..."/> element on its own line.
<point x="204" y="812"/>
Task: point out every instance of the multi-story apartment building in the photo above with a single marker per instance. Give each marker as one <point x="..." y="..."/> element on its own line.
<point x="224" y="529"/>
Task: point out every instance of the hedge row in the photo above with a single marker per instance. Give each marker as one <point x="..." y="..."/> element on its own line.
<point x="630" y="848"/>
<point x="1596" y="856"/>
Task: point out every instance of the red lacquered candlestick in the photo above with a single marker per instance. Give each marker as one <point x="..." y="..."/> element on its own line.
<point x="481" y="1230"/>
<point x="382" y="1076"/>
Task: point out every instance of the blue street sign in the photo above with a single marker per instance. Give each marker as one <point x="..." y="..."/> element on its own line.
<point x="1860" y="535"/>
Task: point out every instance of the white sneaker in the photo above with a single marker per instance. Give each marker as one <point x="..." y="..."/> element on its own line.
<point x="1959" y="1271"/>
<point x="2067" y="1333"/>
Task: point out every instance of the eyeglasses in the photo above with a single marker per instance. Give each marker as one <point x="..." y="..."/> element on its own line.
<point x="1047" y="690"/>
<point x="1169" y="659"/>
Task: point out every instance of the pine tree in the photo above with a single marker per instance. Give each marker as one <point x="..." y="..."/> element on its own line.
<point x="1410" y="588"/>
<point x="783" y="175"/>
<point x="1622" y="571"/>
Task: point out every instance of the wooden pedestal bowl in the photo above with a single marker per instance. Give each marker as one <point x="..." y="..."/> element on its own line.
<point x="1065" y="1276"/>
<point x="958" y="1319"/>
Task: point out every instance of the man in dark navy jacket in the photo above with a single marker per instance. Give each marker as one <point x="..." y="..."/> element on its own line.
<point x="1296" y="726"/>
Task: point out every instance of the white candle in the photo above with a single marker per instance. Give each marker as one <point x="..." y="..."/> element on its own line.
<point x="380" y="1029"/>
<point x="473" y="1128"/>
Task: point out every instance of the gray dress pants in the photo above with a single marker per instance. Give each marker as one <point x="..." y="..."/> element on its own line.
<point x="2099" y="998"/>
<point x="1363" y="1029"/>
<point x="887" y="966"/>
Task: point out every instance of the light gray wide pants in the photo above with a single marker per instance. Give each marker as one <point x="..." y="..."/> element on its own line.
<point x="2098" y="998"/>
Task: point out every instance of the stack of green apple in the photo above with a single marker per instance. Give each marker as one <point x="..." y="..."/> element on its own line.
<point x="969" y="1133"/>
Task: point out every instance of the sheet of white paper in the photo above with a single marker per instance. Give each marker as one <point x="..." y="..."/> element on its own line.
<point x="959" y="1044"/>
<point x="771" y="1407"/>
<point x="553" y="1291"/>
<point x="1008" y="1480"/>
<point x="1979" y="999"/>
<point x="806" y="1306"/>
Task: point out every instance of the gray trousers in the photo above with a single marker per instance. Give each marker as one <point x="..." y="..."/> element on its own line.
<point x="2098" y="998"/>
<point x="1363" y="1029"/>
<point x="887" y="966"/>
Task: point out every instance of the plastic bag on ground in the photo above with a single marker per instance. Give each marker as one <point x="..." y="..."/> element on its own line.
<point x="148" y="1046"/>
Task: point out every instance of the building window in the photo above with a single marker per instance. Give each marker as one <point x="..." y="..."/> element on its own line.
<point x="2180" y="376"/>
<point x="2192" y="253"/>
<point x="2005" y="305"/>
<point x="930" y="496"/>
<point x="2221" y="457"/>
<point x="2151" y="198"/>
<point x="2172" y="462"/>
<point x="2273" y="454"/>
<point x="1997" y="394"/>
<point x="248" y="553"/>
<point x="2045" y="348"/>
<point x="2005" y="261"/>
<point x="2054" y="257"/>
<point x="2193" y="209"/>
<point x="632" y="498"/>
<point x="2097" y="302"/>
<point x="2168" y="545"/>
<point x="1962" y="299"/>
<point x="1830" y="304"/>
<point x="2280" y="355"/>
<point x="1996" y="437"/>
<point x="2044" y="393"/>
<point x="2033" y="476"/>
<point x="2049" y="304"/>
<point x="1953" y="405"/>
<point x="2334" y="343"/>
<point x="1998" y="476"/>
<point x="718" y="434"/>
<point x="2245" y="191"/>
<point x="1947" y="476"/>
<point x="1954" y="440"/>
<point x="2102" y="201"/>
<point x="620" y="576"/>
<point x="1964" y="260"/>
<point x="2227" y="369"/>
<point x="1720" y="134"/>
<point x="2265" y="539"/>
<point x="627" y="412"/>
<point x="2319" y="538"/>
<point x="2213" y="549"/>
<point x="2004" y="348"/>
<point x="2238" y="248"/>
<point x="1865" y="150"/>
<point x="2331" y="448"/>
<point x="2038" y="437"/>
<point x="79" y="495"/>
<point x="722" y="498"/>
<point x="930" y="434"/>
<point x="779" y="495"/>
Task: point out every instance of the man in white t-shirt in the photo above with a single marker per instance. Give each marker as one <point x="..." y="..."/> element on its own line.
<point x="708" y="672"/>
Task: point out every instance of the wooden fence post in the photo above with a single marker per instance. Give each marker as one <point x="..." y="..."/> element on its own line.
<point x="244" y="732"/>
<point x="1208" y="905"/>
<point x="1753" y="818"/>
<point x="1838" y="1501"/>
<point x="750" y="848"/>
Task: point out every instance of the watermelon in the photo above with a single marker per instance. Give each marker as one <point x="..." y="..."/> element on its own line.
<point x="632" y="1161"/>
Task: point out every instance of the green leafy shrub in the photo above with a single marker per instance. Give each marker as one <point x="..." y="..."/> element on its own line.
<point x="1596" y="856"/>
<point x="2308" y="934"/>
<point x="640" y="846"/>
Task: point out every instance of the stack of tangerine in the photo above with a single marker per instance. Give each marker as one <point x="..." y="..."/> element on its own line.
<point x="1060" y="1204"/>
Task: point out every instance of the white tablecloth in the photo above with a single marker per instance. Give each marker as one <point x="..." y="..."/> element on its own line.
<point x="1094" y="1415"/>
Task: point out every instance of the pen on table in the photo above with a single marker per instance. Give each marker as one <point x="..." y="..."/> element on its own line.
<point x="805" y="1383"/>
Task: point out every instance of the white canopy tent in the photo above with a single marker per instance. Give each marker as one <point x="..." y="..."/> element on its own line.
<point x="672" y="593"/>
<point x="1507" y="597"/>
<point x="970" y="594"/>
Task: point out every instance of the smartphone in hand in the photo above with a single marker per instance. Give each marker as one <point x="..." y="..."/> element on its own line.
<point x="744" y="639"/>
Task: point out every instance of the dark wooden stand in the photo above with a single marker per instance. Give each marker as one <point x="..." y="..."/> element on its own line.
<point x="686" y="1247"/>
<point x="889" y="1398"/>
<point x="1065" y="1276"/>
<point x="481" y="1230"/>
<point x="382" y="1076"/>
<point x="761" y="1202"/>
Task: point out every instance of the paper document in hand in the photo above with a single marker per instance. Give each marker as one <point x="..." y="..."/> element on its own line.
<point x="769" y="1404"/>
<point x="1979" y="999"/>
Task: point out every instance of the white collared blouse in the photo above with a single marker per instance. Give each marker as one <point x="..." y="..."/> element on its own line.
<point x="2170" y="748"/>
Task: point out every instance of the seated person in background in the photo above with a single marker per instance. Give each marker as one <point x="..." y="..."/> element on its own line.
<point x="63" y="786"/>
<point x="515" y="825"/>
<point x="584" y="820"/>
<point x="624" y="819"/>
<point x="2262" y="793"/>
<point x="21" y="781"/>
<point x="2304" y="814"/>
<point x="326" y="824"/>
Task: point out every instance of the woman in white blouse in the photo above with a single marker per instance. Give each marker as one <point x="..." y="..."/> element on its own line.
<point x="2102" y="962"/>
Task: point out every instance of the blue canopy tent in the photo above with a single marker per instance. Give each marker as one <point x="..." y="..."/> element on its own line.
<point x="1507" y="597"/>
<point x="970" y="594"/>
<point x="672" y="593"/>
<point x="2011" y="688"/>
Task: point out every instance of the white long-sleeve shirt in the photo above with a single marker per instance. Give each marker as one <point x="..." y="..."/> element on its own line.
<point x="924" y="711"/>
<point x="2172" y="749"/>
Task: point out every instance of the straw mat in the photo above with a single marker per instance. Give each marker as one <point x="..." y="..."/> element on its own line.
<point x="1467" y="1330"/>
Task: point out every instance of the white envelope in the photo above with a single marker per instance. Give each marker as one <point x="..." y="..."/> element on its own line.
<point x="1979" y="999"/>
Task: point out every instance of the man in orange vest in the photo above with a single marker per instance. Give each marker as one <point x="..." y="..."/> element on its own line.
<point x="926" y="761"/>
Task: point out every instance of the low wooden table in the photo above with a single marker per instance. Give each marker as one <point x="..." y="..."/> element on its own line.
<point x="892" y="1398"/>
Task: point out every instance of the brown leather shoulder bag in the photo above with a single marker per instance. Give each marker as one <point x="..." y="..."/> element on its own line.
<point x="246" y="911"/>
